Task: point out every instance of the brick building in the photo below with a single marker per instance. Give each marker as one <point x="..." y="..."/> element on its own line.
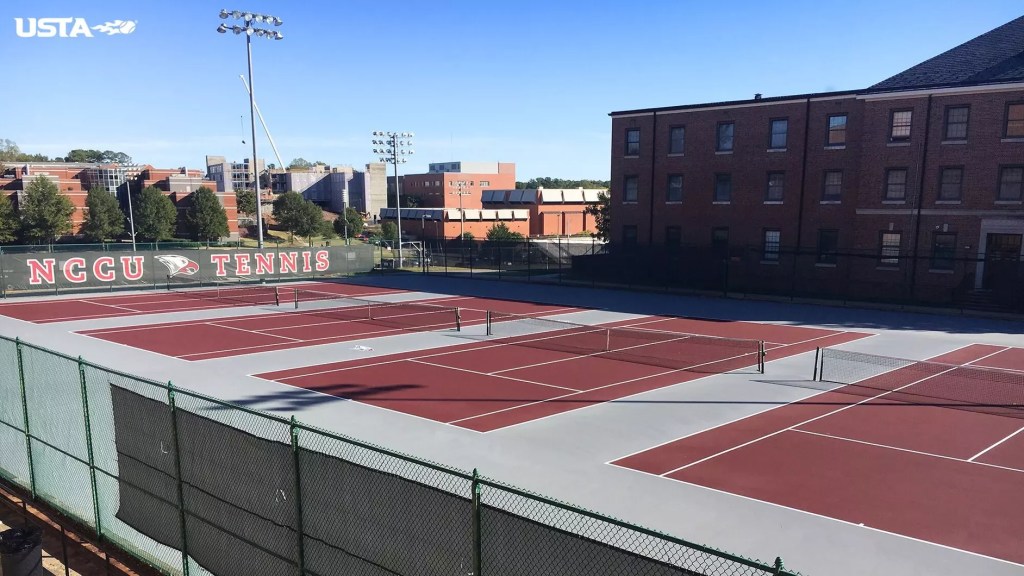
<point x="910" y="189"/>
<point x="75" y="179"/>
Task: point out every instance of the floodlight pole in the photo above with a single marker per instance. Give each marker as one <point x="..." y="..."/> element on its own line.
<point x="395" y="144"/>
<point x="131" y="213"/>
<point x="251" y="18"/>
<point x="462" y="214"/>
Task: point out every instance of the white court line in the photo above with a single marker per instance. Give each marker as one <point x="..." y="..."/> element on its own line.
<point x="723" y="424"/>
<point x="898" y="449"/>
<point x="1019" y="430"/>
<point x="822" y="516"/>
<point x="467" y="370"/>
<point x="88" y="301"/>
<point x="819" y="417"/>
<point x="631" y="380"/>
<point x="252" y="332"/>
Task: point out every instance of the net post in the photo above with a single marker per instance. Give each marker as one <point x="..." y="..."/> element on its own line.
<point x="277" y="296"/>
<point x="817" y="357"/>
<point x="477" y="537"/>
<point x="295" y="297"/>
<point x="490" y="331"/>
<point x="369" y="310"/>
<point x="760" y="356"/>
<point x="608" y="340"/>
<point x="458" y="319"/>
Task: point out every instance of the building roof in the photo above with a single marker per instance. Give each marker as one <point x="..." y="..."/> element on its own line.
<point x="994" y="57"/>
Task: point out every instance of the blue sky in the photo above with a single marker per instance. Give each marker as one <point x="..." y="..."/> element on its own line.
<point x="530" y="82"/>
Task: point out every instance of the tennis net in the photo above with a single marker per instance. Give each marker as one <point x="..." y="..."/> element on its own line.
<point x="674" y="350"/>
<point x="404" y="315"/>
<point x="234" y="293"/>
<point x="919" y="382"/>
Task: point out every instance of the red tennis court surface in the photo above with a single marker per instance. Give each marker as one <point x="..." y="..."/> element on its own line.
<point x="484" y="386"/>
<point x="949" y="476"/>
<point x="223" y="337"/>
<point x="153" y="302"/>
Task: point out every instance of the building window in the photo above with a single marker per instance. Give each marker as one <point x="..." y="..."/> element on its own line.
<point x="889" y="249"/>
<point x="828" y="246"/>
<point x="720" y="241"/>
<point x="630" y="189"/>
<point x="832" y="191"/>
<point x="676" y="139"/>
<point x="1010" y="182"/>
<point x="774" y="193"/>
<point x="943" y="250"/>
<point x="836" y="130"/>
<point x="770" y="249"/>
<point x="896" y="184"/>
<point x="723" y="187"/>
<point x="1015" y="120"/>
<point x="673" y="236"/>
<point x="633" y="142"/>
<point x="629" y="235"/>
<point x="725" y="137"/>
<point x="956" y="122"/>
<point x="951" y="184"/>
<point x="779" y="128"/>
<point x="674" y="192"/>
<point x="899" y="125"/>
<point x="485" y="182"/>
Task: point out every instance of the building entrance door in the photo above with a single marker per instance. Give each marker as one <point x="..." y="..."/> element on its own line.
<point x="1002" y="260"/>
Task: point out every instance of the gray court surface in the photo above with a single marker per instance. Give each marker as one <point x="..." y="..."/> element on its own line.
<point x="565" y="456"/>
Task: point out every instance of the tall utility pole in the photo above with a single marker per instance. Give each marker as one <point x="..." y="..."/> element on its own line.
<point x="251" y="18"/>
<point x="394" y="147"/>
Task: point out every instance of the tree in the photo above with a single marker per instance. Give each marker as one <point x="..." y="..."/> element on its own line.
<point x="547" y="182"/>
<point x="354" y="222"/>
<point x="300" y="163"/>
<point x="297" y="215"/>
<point x="389" y="231"/>
<point x="326" y="230"/>
<point x="310" y="220"/>
<point x="155" y="215"/>
<point x="81" y="155"/>
<point x="45" y="212"/>
<point x="206" y="218"/>
<point x="246" y="202"/>
<point x="103" y="216"/>
<point x="500" y="234"/>
<point x="602" y="213"/>
<point x="8" y="220"/>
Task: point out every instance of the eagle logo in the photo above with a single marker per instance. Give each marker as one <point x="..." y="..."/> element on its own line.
<point x="116" y="27"/>
<point x="178" y="265"/>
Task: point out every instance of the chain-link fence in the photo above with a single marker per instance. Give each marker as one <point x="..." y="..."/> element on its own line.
<point x="193" y="485"/>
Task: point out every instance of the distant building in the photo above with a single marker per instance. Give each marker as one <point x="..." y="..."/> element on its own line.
<point x="552" y="211"/>
<point x="74" y="180"/>
<point x="232" y="176"/>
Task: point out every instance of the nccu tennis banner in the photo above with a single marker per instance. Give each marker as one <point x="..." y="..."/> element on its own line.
<point x="71" y="270"/>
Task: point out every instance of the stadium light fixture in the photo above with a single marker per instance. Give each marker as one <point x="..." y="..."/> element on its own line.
<point x="392" y="148"/>
<point x="251" y="18"/>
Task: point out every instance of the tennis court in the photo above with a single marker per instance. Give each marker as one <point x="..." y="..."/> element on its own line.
<point x="931" y="450"/>
<point x="304" y="317"/>
<point x="528" y="368"/>
<point x="95" y="307"/>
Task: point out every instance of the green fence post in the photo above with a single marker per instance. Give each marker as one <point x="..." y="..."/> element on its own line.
<point x="88" y="447"/>
<point x="778" y="565"/>
<point x="298" y="497"/>
<point x="24" y="413"/>
<point x="477" y="561"/>
<point x="177" y="471"/>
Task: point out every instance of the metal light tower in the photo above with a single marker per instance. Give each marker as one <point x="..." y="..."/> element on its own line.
<point x="393" y="149"/>
<point x="250" y="30"/>
<point x="128" y="190"/>
<point x="461" y="184"/>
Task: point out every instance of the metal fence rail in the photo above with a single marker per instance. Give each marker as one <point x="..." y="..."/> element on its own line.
<point x="194" y="485"/>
